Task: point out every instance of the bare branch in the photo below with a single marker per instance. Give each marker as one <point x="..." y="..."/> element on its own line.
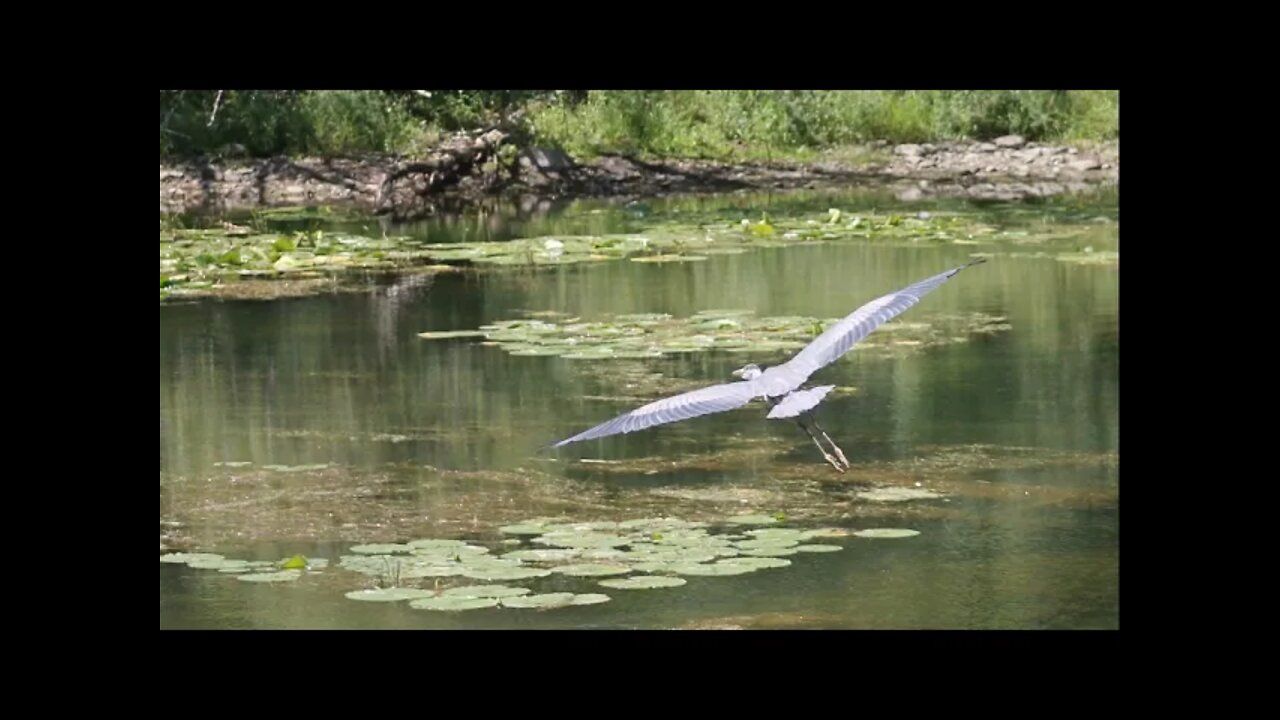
<point x="214" y="114"/>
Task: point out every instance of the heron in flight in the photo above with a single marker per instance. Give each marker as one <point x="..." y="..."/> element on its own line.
<point x="780" y="386"/>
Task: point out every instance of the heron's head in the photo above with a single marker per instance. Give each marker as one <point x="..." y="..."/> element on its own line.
<point x="748" y="372"/>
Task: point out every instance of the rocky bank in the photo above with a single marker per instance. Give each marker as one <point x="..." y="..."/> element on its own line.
<point x="469" y="168"/>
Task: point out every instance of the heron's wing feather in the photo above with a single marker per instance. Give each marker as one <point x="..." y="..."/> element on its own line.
<point x="799" y="401"/>
<point x="841" y="337"/>
<point x="714" y="399"/>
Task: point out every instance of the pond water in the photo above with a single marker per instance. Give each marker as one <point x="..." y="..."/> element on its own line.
<point x="310" y="425"/>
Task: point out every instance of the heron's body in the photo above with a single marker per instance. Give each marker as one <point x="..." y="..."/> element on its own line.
<point x="780" y="386"/>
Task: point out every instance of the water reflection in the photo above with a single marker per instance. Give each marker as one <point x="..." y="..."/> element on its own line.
<point x="446" y="438"/>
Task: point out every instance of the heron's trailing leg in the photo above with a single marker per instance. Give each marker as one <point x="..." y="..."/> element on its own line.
<point x="834" y="446"/>
<point x="825" y="454"/>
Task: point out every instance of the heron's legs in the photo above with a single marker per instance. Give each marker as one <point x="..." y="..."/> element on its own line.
<point x="825" y="454"/>
<point x="834" y="446"/>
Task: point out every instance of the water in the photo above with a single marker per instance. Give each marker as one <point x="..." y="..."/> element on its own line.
<point x="1019" y="431"/>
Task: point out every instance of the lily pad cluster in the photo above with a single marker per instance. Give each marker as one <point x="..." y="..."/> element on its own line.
<point x="651" y="335"/>
<point x="260" y="571"/>
<point x="638" y="554"/>
<point x="196" y="259"/>
<point x="686" y="241"/>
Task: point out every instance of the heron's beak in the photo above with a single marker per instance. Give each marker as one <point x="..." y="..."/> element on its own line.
<point x="737" y="373"/>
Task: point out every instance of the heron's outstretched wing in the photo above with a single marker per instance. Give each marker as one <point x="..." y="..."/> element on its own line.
<point x="714" y="399"/>
<point x="839" y="338"/>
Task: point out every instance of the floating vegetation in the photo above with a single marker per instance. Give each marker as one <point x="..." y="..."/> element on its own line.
<point x="752" y="520"/>
<point x="441" y="545"/>
<point x="644" y="582"/>
<point x="268" y="577"/>
<point x="389" y="594"/>
<point x="592" y="570"/>
<point x="897" y="494"/>
<point x="668" y="258"/>
<point x="547" y="600"/>
<point x="187" y="558"/>
<point x="886" y="533"/>
<point x="272" y="250"/>
<point x="760" y="563"/>
<point x="724" y="567"/>
<point x="450" y="334"/>
<point x="818" y="548"/>
<point x="380" y="548"/>
<point x="296" y="468"/>
<point x="486" y="591"/>
<point x="452" y="603"/>
<point x="548" y="555"/>
<point x="515" y="573"/>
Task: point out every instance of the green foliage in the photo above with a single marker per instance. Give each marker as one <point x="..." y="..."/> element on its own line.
<point x="763" y="123"/>
<point x="732" y="124"/>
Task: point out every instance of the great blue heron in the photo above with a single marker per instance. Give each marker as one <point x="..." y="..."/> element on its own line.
<point x="779" y="386"/>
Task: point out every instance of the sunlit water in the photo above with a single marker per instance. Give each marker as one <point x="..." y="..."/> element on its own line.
<point x="1017" y="430"/>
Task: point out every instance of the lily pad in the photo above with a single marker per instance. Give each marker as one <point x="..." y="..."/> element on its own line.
<point x="769" y="551"/>
<point x="486" y="591"/>
<point x="752" y="520"/>
<point x="453" y="603"/>
<point x="544" y="601"/>
<point x="760" y="563"/>
<point x="523" y="529"/>
<point x="590" y="599"/>
<point x="380" y="548"/>
<point x="592" y="570"/>
<point x="825" y="533"/>
<point x="390" y="594"/>
<point x="504" y="573"/>
<point x="766" y="543"/>
<point x="819" y="548"/>
<point x="668" y="258"/>
<point x="219" y="564"/>
<point x="886" y="533"/>
<point x="644" y="582"/>
<point x="450" y="334"/>
<point x="187" y="558"/>
<point x="582" y="540"/>
<point x="547" y="555"/>
<point x="724" y="567"/>
<point x="282" y="576"/>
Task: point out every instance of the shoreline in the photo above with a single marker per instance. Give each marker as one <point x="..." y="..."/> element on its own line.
<point x="464" y="172"/>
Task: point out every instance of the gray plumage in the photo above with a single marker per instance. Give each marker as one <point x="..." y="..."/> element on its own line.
<point x="780" y="382"/>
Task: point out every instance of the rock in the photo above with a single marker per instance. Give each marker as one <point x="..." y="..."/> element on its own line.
<point x="910" y="150"/>
<point x="909" y="194"/>
<point x="877" y="144"/>
<point x="1084" y="164"/>
<point x="985" y="147"/>
<point x="1010" y="141"/>
<point x="1072" y="151"/>
<point x="546" y="159"/>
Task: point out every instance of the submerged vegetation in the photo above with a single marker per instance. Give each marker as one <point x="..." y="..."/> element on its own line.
<point x="718" y="124"/>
